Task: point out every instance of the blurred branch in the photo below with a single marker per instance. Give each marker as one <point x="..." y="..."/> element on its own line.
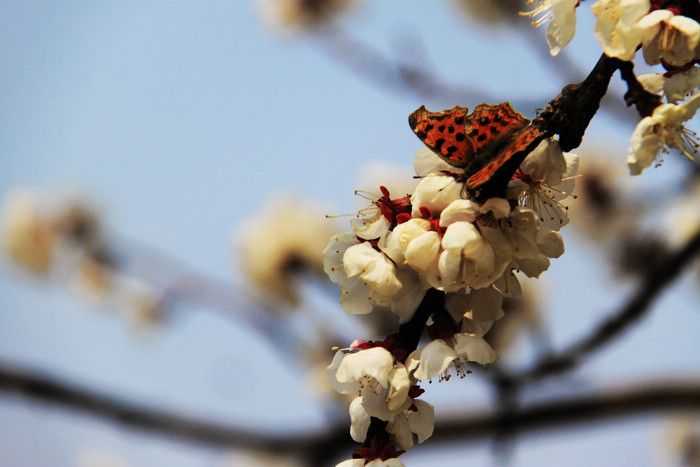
<point x="180" y="284"/>
<point x="614" y="326"/>
<point x="633" y="399"/>
<point x="413" y="78"/>
<point x="418" y="79"/>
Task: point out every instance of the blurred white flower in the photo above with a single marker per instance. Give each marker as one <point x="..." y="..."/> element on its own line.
<point x="662" y="131"/>
<point x="28" y="237"/>
<point x="287" y="237"/>
<point x="303" y="14"/>
<point x="617" y="26"/>
<point x="489" y="11"/>
<point x="561" y="16"/>
<point x="670" y="38"/>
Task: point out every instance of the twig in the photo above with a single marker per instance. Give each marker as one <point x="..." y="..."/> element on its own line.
<point x="613" y="327"/>
<point x="413" y="79"/>
<point x="633" y="399"/>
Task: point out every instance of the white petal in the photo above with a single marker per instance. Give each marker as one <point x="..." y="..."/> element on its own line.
<point x="534" y="266"/>
<point x="355" y="298"/>
<point x="617" y="26"/>
<point x="474" y="349"/>
<point x="435" y="192"/>
<point x="359" y="420"/>
<point x="459" y="234"/>
<point x="645" y="144"/>
<point x="397" y="240"/>
<point x="563" y="25"/>
<point x="405" y="303"/>
<point x="423" y="251"/>
<point x="459" y="210"/>
<point x="427" y="162"/>
<point x="333" y="256"/>
<point x="422" y="421"/>
<point x="435" y="358"/>
<point x="399" y="384"/>
<point x="371" y="228"/>
<point x="387" y="463"/>
<point x="551" y="243"/>
<point x="480" y="305"/>
<point x="352" y="463"/>
<point x="401" y="430"/>
<point x="375" y="363"/>
<point x="499" y="207"/>
<point x="375" y="404"/>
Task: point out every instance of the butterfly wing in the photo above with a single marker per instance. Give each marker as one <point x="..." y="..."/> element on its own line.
<point x="489" y="126"/>
<point x="501" y="169"/>
<point x="444" y="133"/>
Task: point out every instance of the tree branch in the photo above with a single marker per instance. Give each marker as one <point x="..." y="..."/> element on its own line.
<point x="613" y="327"/>
<point x="630" y="400"/>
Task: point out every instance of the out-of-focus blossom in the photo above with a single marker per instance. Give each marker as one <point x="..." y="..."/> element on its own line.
<point x="489" y="11"/>
<point x="602" y="210"/>
<point x="521" y="315"/>
<point x="662" y="131"/>
<point x="258" y="459"/>
<point x="286" y="238"/>
<point x="683" y="441"/>
<point x="303" y="14"/>
<point x="28" y="236"/>
<point x="561" y="16"/>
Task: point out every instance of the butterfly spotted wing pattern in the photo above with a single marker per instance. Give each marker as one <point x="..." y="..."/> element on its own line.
<point x="489" y="144"/>
<point x="458" y="138"/>
<point x="444" y="133"/>
<point x="490" y="125"/>
<point x="522" y="143"/>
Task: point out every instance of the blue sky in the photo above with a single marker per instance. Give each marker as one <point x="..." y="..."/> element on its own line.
<point x="179" y="119"/>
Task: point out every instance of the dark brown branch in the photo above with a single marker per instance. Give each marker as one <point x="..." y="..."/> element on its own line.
<point x="644" y="101"/>
<point x="633" y="399"/>
<point x="613" y="327"/>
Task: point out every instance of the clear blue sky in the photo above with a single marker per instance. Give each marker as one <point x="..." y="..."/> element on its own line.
<point x="179" y="118"/>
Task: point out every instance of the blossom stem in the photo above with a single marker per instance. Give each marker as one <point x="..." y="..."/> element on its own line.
<point x="636" y="95"/>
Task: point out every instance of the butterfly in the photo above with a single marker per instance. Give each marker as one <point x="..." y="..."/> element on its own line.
<point x="489" y="144"/>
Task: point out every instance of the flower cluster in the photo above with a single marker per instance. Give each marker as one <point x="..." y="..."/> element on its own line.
<point x="435" y="240"/>
<point x="668" y="32"/>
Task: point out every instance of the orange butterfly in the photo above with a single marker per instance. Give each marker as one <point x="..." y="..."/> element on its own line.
<point x="489" y="144"/>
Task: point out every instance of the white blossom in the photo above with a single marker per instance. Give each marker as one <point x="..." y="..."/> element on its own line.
<point x="435" y="193"/>
<point x="668" y="37"/>
<point x="561" y="16"/>
<point x="546" y="178"/>
<point x="662" y="131"/>
<point x="617" y="26"/>
<point x="302" y="14"/>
